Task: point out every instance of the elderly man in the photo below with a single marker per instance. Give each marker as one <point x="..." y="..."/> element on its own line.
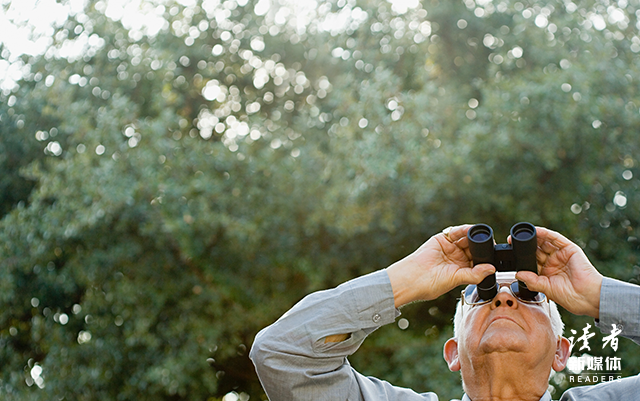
<point x="303" y="356"/>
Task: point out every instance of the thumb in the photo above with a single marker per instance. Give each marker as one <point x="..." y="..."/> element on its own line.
<point x="476" y="274"/>
<point x="533" y="281"/>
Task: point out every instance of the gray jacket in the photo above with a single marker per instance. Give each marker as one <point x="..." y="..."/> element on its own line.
<point x="294" y="363"/>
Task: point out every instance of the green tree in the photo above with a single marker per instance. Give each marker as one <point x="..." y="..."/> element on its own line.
<point x="168" y="192"/>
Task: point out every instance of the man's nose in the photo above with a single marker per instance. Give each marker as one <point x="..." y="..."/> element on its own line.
<point x="504" y="298"/>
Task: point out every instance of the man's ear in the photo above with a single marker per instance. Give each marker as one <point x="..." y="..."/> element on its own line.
<point x="451" y="354"/>
<point x="562" y="354"/>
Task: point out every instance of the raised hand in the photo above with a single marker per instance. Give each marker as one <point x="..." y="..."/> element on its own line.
<point x="565" y="274"/>
<point x="436" y="267"/>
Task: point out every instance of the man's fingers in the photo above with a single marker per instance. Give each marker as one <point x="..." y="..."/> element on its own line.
<point x="555" y="239"/>
<point x="541" y="257"/>
<point x="533" y="281"/>
<point x="548" y="247"/>
<point x="476" y="274"/>
<point x="457" y="232"/>
<point x="463" y="243"/>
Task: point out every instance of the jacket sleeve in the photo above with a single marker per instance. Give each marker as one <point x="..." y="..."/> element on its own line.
<point x="294" y="363"/>
<point x="620" y="305"/>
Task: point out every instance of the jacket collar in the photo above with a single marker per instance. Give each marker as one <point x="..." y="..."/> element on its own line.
<point x="545" y="397"/>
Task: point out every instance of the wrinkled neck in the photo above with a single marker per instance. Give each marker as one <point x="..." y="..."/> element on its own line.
<point x="501" y="377"/>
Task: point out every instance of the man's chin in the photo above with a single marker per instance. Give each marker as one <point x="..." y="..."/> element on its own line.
<point x="503" y="339"/>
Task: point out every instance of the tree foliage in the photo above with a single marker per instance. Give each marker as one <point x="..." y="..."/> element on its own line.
<point x="166" y="193"/>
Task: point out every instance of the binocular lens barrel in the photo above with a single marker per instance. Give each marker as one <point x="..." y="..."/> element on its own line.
<point x="520" y="254"/>
<point x="480" y="234"/>
<point x="482" y="251"/>
<point x="525" y="243"/>
<point x="523" y="232"/>
<point x="481" y="244"/>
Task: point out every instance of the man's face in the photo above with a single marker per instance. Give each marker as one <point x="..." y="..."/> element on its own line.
<point x="506" y="327"/>
<point x="506" y="339"/>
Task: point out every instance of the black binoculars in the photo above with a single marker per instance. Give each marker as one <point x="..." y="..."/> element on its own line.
<point x="517" y="256"/>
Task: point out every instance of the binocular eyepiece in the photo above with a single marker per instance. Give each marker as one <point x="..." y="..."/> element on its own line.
<point x="517" y="256"/>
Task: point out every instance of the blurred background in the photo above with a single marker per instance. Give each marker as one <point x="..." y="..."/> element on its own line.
<point x="175" y="175"/>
